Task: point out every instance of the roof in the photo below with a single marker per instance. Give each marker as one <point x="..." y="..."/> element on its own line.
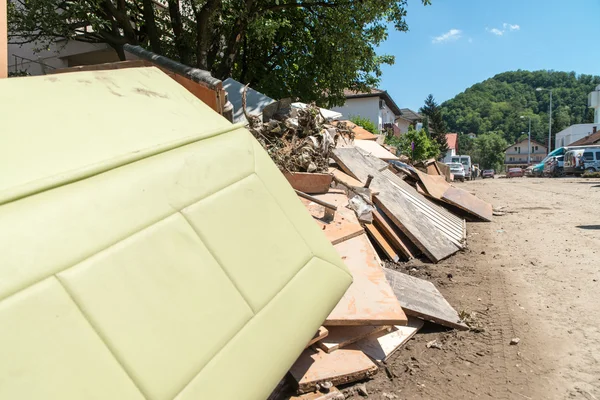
<point x="382" y="94"/>
<point x="116" y="246"/>
<point x="589" y="139"/>
<point x="525" y="140"/>
<point x="410" y="115"/>
<point x="452" y="140"/>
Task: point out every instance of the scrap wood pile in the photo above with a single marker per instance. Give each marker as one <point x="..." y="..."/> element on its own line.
<point x="297" y="140"/>
<point x="378" y="211"/>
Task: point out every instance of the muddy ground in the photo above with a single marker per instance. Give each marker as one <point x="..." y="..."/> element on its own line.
<point x="532" y="274"/>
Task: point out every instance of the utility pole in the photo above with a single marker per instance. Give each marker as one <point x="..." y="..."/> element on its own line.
<point x="549" y="119"/>
<point x="529" y="141"/>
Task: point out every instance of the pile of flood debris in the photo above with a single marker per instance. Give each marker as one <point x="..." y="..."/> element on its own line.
<point x="377" y="211"/>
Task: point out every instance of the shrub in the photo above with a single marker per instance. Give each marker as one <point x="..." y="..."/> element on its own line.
<point x="365" y="123"/>
<point x="424" y="147"/>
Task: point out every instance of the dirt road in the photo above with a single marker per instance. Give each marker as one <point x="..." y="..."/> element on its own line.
<point x="532" y="274"/>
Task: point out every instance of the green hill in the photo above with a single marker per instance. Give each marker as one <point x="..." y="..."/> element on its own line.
<point x="496" y="104"/>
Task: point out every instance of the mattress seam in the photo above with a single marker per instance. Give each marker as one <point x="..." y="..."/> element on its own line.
<point x="101" y="337"/>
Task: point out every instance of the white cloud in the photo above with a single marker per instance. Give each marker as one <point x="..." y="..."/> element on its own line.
<point x="506" y="27"/>
<point x="451" y="35"/>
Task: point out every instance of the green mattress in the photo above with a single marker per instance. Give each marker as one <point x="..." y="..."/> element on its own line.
<point x="149" y="248"/>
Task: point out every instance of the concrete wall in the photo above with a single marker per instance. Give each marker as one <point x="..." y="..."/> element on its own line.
<point x="573" y="133"/>
<point x="366" y="107"/>
<point x="403" y="125"/>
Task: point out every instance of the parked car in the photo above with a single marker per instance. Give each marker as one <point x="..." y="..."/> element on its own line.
<point x="466" y="162"/>
<point x="529" y="171"/>
<point x="458" y="170"/>
<point x="514" y="173"/>
<point x="591" y="159"/>
<point x="487" y="173"/>
<point x="573" y="162"/>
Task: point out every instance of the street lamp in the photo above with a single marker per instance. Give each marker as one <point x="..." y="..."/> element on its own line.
<point x="529" y="141"/>
<point x="549" y="119"/>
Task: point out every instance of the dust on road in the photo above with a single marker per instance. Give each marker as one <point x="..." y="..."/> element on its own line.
<point x="532" y="274"/>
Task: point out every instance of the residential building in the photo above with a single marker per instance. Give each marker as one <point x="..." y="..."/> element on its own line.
<point x="589" y="140"/>
<point x="452" y="142"/>
<point x="472" y="135"/>
<point x="515" y="155"/>
<point x="376" y="105"/>
<point x="577" y="132"/>
<point x="61" y="54"/>
<point x="407" y="119"/>
<point x="574" y="133"/>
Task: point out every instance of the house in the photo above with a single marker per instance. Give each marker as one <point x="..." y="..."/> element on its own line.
<point x="452" y="142"/>
<point x="61" y="54"/>
<point x="516" y="154"/>
<point x="574" y="133"/>
<point x="376" y="105"/>
<point x="592" y="139"/>
<point x="472" y="135"/>
<point x="407" y="119"/>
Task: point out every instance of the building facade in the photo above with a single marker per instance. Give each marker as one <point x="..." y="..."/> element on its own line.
<point x="516" y="155"/>
<point x="377" y="106"/>
<point x="574" y="133"/>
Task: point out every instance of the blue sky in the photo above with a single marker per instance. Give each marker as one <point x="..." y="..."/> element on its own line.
<point x="453" y="44"/>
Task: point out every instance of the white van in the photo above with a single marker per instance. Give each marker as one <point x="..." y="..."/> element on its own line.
<point x="466" y="161"/>
<point x="591" y="159"/>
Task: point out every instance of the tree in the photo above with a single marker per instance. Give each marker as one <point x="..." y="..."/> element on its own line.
<point x="466" y="145"/>
<point x="489" y="150"/>
<point x="436" y="127"/>
<point x="496" y="104"/>
<point x="416" y="145"/>
<point x="308" y="49"/>
<point x="364" y="123"/>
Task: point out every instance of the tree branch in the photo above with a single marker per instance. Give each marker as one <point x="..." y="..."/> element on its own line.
<point x="304" y="5"/>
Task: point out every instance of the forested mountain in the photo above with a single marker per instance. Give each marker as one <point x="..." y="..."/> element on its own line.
<point x="496" y="104"/>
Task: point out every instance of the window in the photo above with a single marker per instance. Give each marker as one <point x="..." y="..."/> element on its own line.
<point x="536" y="148"/>
<point x="598" y="155"/>
<point x="515" y="149"/>
<point x="519" y="150"/>
<point x="588" y="156"/>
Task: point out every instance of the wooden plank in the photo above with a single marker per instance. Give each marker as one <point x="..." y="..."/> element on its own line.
<point x="343" y="336"/>
<point x="314" y="366"/>
<point x="381" y="346"/>
<point x="404" y="246"/>
<point x="469" y="203"/>
<point x="321" y="334"/>
<point x="369" y="300"/>
<point x="419" y="219"/>
<point x="345" y="179"/>
<point x="382" y="242"/>
<point x="421" y="299"/>
<point x="310" y="183"/>
<point x="375" y="149"/>
<point x="438" y="188"/>
<point x="344" y="225"/>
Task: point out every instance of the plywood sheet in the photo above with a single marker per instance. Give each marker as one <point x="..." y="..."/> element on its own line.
<point x="342" y="336"/>
<point x="382" y="242"/>
<point x="468" y="202"/>
<point x="370" y="299"/>
<point x="320" y="334"/>
<point x="344" y="225"/>
<point x="315" y="366"/>
<point x="344" y="178"/>
<point x="434" y="185"/>
<point x="420" y="298"/>
<point x="404" y="246"/>
<point x="375" y="149"/>
<point x="382" y="345"/>
<point x="433" y="230"/>
<point x="333" y="394"/>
